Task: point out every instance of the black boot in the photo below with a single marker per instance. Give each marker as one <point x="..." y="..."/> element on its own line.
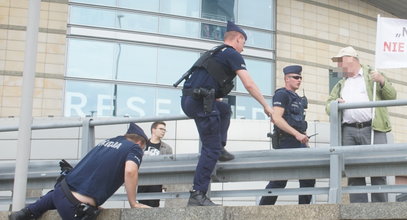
<point x="23" y="214"/>
<point x="198" y="198"/>
<point x="225" y="156"/>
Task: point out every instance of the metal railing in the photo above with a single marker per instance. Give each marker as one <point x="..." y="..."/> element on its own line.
<point x="332" y="162"/>
<point x="88" y="127"/>
<point x="252" y="166"/>
<point x="338" y="164"/>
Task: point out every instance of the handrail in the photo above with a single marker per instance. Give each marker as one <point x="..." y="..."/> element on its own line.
<point x="94" y="122"/>
<point x="381" y="103"/>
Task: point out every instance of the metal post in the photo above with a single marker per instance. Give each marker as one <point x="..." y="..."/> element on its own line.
<point x="335" y="121"/>
<point x="335" y="177"/>
<point x="24" y="131"/>
<point x="88" y="136"/>
<point x="336" y="161"/>
<point x="119" y="17"/>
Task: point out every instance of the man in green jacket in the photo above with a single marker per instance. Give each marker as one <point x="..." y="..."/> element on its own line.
<point x="357" y="86"/>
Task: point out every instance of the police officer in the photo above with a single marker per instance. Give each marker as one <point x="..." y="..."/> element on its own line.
<point x="211" y="79"/>
<point x="96" y="177"/>
<point x="289" y="126"/>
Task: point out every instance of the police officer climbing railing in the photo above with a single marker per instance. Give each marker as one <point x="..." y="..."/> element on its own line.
<point x="209" y="80"/>
<point x="80" y="191"/>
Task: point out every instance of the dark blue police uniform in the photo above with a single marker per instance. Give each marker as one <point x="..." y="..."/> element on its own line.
<point x="294" y="115"/>
<point x="212" y="126"/>
<point x="98" y="175"/>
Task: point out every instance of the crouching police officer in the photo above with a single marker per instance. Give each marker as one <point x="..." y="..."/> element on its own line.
<point x="211" y="78"/>
<point x="96" y="177"/>
<point x="289" y="126"/>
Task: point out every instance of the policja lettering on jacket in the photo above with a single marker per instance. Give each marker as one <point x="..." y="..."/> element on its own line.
<point x="111" y="144"/>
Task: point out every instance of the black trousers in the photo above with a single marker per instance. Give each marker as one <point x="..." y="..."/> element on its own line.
<point x="285" y="143"/>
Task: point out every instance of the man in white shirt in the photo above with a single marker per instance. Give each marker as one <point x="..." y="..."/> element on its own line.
<point x="357" y="86"/>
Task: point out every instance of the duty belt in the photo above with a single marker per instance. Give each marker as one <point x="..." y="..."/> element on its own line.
<point x="358" y="124"/>
<point x="207" y="96"/>
<point x="83" y="211"/>
<point x="68" y="193"/>
<point x="188" y="92"/>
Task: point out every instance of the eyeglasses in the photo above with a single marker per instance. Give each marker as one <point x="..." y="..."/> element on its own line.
<point x="162" y="129"/>
<point x="296" y="77"/>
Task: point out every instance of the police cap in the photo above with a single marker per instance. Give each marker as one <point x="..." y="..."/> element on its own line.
<point x="233" y="27"/>
<point x="135" y="129"/>
<point x="296" y="69"/>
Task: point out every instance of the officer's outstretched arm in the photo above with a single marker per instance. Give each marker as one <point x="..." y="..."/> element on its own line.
<point x="281" y="123"/>
<point x="131" y="182"/>
<point x="254" y="91"/>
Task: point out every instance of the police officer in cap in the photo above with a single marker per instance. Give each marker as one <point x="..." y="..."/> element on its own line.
<point x="96" y="177"/>
<point x="212" y="79"/>
<point x="289" y="126"/>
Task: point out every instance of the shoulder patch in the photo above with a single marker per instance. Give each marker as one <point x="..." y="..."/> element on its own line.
<point x="138" y="159"/>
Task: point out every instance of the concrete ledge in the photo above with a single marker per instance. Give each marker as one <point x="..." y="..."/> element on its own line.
<point x="281" y="212"/>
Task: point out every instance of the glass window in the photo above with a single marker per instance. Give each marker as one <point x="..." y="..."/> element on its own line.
<point x="137" y="63"/>
<point x="179" y="27"/>
<point x="212" y="32"/>
<point x="263" y="10"/>
<point x="261" y="73"/>
<point x="168" y="102"/>
<point x="259" y="39"/>
<point x="93" y="59"/>
<point x="97" y="2"/>
<point x="88" y="98"/>
<point x="92" y="17"/>
<point x="180" y="7"/>
<point x="137" y="22"/>
<point x="222" y="10"/>
<point x="135" y="101"/>
<point x="248" y="108"/>
<point x="149" y="5"/>
<point x="173" y="63"/>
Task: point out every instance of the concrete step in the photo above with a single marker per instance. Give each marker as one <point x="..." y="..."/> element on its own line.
<point x="281" y="212"/>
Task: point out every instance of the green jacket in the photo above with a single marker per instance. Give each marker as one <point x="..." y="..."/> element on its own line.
<point x="381" y="121"/>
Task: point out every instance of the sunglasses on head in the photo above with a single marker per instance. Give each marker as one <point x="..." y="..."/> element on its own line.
<point x="296" y="77"/>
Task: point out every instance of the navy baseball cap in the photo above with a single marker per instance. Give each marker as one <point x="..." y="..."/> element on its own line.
<point x="232" y="27"/>
<point x="135" y="129"/>
<point x="296" y="69"/>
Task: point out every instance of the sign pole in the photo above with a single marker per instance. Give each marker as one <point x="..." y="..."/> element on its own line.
<point x="374" y="88"/>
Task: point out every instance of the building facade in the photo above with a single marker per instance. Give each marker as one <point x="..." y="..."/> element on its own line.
<point x="121" y="57"/>
<point x="124" y="56"/>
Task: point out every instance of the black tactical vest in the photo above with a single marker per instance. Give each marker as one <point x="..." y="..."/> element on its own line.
<point x="222" y="75"/>
<point x="294" y="114"/>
